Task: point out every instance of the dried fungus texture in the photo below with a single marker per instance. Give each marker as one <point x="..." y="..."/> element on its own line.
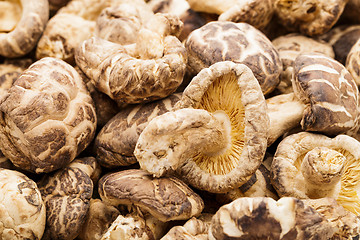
<point x="329" y="92"/>
<point x="353" y="62"/>
<point x="22" y="211"/>
<point x="66" y="194"/>
<point x="265" y="218"/>
<point x="309" y="17"/>
<point x="116" y="141"/>
<point x="125" y="77"/>
<point x="164" y="198"/>
<point x="22" y="23"/>
<point x="308" y="165"/>
<point x="292" y="45"/>
<point x="47" y="117"/>
<point x="238" y="42"/>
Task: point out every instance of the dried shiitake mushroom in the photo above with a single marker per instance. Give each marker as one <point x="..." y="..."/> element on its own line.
<point x="353" y="62"/>
<point x="148" y="70"/>
<point x="238" y="42"/>
<point x="265" y="218"/>
<point x="308" y="165"/>
<point x="47" y="117"/>
<point x="23" y="213"/>
<point x="21" y="24"/>
<point x="66" y="194"/>
<point x="309" y="17"/>
<point x="289" y="47"/>
<point x="216" y="139"/>
<point x="164" y="198"/>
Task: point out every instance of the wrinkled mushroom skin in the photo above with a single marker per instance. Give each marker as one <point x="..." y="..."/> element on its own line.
<point x="265" y="218"/>
<point x="22" y="211"/>
<point x="237" y="42"/>
<point x="47" y="117"/>
<point x="116" y="141"/>
<point x="22" y="36"/>
<point x="309" y="17"/>
<point x="164" y="198"/>
<point x="308" y="165"/>
<point x="330" y="93"/>
<point x="66" y="194"/>
<point x="353" y="62"/>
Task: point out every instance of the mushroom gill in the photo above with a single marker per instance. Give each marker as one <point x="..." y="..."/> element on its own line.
<point x="224" y="95"/>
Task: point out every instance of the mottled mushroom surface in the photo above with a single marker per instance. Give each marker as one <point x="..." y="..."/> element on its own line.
<point x="238" y="42"/>
<point x="353" y="62"/>
<point x="47" y="117"/>
<point x="22" y="211"/>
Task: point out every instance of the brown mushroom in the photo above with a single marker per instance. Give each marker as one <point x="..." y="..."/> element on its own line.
<point x="353" y="62"/>
<point x="265" y="218"/>
<point x="164" y="198"/>
<point x="309" y="17"/>
<point x="308" y="165"/>
<point x="216" y="139"/>
<point x="115" y="143"/>
<point x="47" y="117"/>
<point x="66" y="194"/>
<point x="22" y="211"/>
<point x="238" y="42"/>
<point x="21" y="24"/>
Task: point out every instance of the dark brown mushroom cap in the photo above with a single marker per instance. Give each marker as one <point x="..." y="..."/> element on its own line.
<point x="310" y="17"/>
<point x="116" y="141"/>
<point x="22" y="211"/>
<point x="47" y="117"/>
<point x="66" y="193"/>
<point x="329" y="91"/>
<point x="238" y="42"/>
<point x="164" y="198"/>
<point x="23" y="38"/>
<point x="265" y="218"/>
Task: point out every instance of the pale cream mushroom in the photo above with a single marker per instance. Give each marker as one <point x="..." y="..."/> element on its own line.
<point x="23" y="212"/>
<point x="265" y="218"/>
<point x="216" y="139"/>
<point x="47" y="117"/>
<point x="308" y="165"/>
<point x="21" y="24"/>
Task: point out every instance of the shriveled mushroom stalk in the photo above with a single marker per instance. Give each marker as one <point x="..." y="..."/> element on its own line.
<point x="216" y="138"/>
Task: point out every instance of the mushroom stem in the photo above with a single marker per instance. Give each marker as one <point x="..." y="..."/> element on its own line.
<point x="322" y="169"/>
<point x="172" y="138"/>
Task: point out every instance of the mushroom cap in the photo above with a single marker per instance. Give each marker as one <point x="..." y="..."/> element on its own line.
<point x="353" y="62"/>
<point x="288" y="180"/>
<point x="265" y="218"/>
<point x="66" y="194"/>
<point x="289" y="47"/>
<point x="116" y="141"/>
<point x="164" y="198"/>
<point x="309" y="17"/>
<point x="23" y="37"/>
<point x="22" y="210"/>
<point x="238" y="42"/>
<point x="231" y="88"/>
<point x="47" y="117"/>
<point x="329" y="91"/>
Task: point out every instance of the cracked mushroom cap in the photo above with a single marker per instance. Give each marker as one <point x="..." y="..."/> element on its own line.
<point x="164" y="198"/>
<point x="148" y="70"/>
<point x="47" y="117"/>
<point x="66" y="194"/>
<point x="292" y="45"/>
<point x="22" y="211"/>
<point x="309" y="17"/>
<point x="216" y="139"/>
<point x="265" y="218"/>
<point x="238" y="42"/>
<point x="308" y="165"/>
<point x="329" y="92"/>
<point x="353" y="62"/>
<point x="21" y="24"/>
<point x="116" y="141"/>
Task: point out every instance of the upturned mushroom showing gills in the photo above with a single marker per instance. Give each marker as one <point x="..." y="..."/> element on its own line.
<point x="21" y="24"/>
<point x="216" y="137"/>
<point x="308" y="165"/>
